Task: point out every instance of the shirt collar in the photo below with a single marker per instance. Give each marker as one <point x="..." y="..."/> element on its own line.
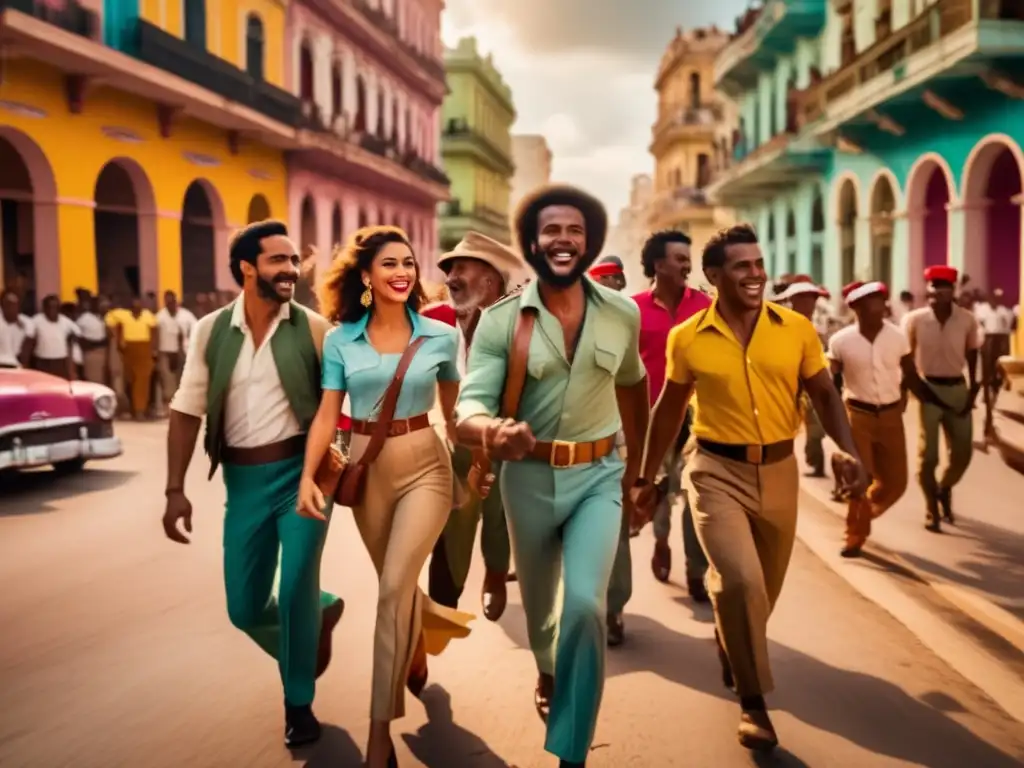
<point x="712" y="319"/>
<point x="531" y="293"/>
<point x="421" y="326"/>
<point x="238" y="312"/>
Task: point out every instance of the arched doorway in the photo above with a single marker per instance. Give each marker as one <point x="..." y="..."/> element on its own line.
<point x="928" y="197"/>
<point x="198" y="240"/>
<point x="882" y="206"/>
<point x="307" y="246"/>
<point x="259" y="209"/>
<point x="992" y="197"/>
<point x="848" y="230"/>
<point x="125" y="249"/>
<point x="818" y="237"/>
<point x="29" y="246"/>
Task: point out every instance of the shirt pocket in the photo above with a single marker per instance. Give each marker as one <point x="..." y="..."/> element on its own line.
<point x="607" y="357"/>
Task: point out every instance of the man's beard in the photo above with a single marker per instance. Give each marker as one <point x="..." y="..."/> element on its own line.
<point x="267" y="290"/>
<point x="537" y="259"/>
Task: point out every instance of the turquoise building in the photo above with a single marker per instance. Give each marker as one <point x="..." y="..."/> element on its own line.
<point x="880" y="137"/>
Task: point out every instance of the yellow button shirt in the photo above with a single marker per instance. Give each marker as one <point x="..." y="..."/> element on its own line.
<point x="746" y="396"/>
<point x="132" y="328"/>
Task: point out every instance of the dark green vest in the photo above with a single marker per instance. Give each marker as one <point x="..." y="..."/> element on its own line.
<point x="295" y="357"/>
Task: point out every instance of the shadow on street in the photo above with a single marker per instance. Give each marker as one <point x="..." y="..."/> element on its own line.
<point x="865" y="710"/>
<point x="442" y="743"/>
<point x="35" y="491"/>
<point x="336" y="749"/>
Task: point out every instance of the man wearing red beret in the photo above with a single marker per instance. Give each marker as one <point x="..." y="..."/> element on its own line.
<point x="944" y="340"/>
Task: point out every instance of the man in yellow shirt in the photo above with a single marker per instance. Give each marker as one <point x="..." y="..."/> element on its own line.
<point x="137" y="342"/>
<point x="748" y="362"/>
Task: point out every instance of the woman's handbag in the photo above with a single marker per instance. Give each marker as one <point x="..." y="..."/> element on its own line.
<point x="346" y="481"/>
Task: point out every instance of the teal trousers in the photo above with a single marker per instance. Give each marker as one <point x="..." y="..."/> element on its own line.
<point x="564" y="527"/>
<point x="261" y="526"/>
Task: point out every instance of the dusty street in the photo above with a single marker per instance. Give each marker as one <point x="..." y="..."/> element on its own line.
<point x="115" y="650"/>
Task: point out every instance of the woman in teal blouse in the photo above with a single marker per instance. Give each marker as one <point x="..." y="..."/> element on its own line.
<point x="373" y="290"/>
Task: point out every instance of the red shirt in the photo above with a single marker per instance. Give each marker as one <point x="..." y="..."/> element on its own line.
<point x="656" y="320"/>
<point x="443" y="312"/>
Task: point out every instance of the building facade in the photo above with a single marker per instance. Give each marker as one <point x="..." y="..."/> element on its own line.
<point x="690" y="138"/>
<point x="134" y="138"/>
<point x="887" y="140"/>
<point x="532" y="158"/>
<point x="370" y="79"/>
<point x="476" y="145"/>
<point x="630" y="229"/>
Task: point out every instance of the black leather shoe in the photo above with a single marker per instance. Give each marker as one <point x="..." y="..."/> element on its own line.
<point x="933" y="521"/>
<point x="697" y="590"/>
<point x="300" y="726"/>
<point x="616" y="630"/>
<point x="945" y="499"/>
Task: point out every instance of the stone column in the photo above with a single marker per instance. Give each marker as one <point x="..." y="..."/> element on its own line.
<point x="912" y="267"/>
<point x="900" y="249"/>
<point x="323" y="58"/>
<point x="862" y="269"/>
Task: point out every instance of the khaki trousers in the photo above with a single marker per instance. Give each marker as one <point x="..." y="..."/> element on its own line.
<point x="882" y="446"/>
<point x="168" y="366"/>
<point x="746" y="523"/>
<point x="408" y="498"/>
<point x="94" y="365"/>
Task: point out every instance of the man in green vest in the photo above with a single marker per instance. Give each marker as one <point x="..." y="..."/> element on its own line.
<point x="253" y="370"/>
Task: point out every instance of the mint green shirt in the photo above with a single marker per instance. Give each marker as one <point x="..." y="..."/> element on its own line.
<point x="560" y="402"/>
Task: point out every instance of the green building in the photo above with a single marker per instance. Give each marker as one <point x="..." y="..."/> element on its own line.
<point x="476" y="146"/>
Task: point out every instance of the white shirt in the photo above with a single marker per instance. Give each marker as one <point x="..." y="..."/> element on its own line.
<point x="91" y="327"/>
<point x="52" y="336"/>
<point x="256" y="409"/>
<point x="994" y="320"/>
<point x="12" y="336"/>
<point x="173" y="328"/>
<point x="871" y="370"/>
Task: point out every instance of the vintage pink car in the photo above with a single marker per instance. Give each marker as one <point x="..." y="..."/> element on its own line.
<point x="47" y="420"/>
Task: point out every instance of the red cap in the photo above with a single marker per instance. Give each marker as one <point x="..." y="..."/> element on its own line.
<point x="940" y="273"/>
<point x="604" y="269"/>
<point x="858" y="290"/>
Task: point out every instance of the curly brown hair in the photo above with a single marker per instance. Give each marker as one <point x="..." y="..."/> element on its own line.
<point x="342" y="284"/>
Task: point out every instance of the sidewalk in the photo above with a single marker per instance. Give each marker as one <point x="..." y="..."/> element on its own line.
<point x="979" y="562"/>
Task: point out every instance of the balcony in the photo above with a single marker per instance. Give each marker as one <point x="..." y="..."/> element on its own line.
<point x="679" y="122"/>
<point x="71" y="17"/>
<point x="763" y="37"/>
<point x="379" y="35"/>
<point x="679" y="205"/>
<point x="771" y="169"/>
<point x="943" y="50"/>
<point x="458" y="138"/>
<point x="456" y="220"/>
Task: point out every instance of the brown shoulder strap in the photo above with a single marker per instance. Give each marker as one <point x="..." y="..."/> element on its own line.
<point x="515" y="377"/>
<point x="390" y="403"/>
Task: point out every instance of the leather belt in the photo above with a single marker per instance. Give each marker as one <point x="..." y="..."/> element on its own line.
<point x="749" y="454"/>
<point x="265" y="454"/>
<point x="396" y="427"/>
<point x="561" y="454"/>
<point x="860" y="405"/>
<point x="945" y="381"/>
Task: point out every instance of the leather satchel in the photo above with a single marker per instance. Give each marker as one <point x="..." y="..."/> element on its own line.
<point x="346" y="481"/>
<point x="515" y="383"/>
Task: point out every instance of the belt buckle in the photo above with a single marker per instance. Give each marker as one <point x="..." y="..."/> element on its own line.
<point x="570" y="449"/>
<point x="755" y="454"/>
<point x="399" y="428"/>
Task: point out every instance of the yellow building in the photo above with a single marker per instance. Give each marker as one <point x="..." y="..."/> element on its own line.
<point x="476" y="146"/>
<point x="134" y="140"/>
<point x="690" y="138"/>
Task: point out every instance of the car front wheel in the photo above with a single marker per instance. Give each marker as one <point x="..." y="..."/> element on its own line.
<point x="69" y="467"/>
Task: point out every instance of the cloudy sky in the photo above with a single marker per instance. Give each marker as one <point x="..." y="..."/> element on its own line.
<point x="582" y="73"/>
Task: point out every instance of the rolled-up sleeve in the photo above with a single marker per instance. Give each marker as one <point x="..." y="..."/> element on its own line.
<point x="485" y="371"/>
<point x="190" y="397"/>
<point x="449" y="368"/>
<point x="333" y="376"/>
<point x="632" y="370"/>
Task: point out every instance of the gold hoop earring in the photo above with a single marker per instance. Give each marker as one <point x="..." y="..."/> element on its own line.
<point x="367" y="298"/>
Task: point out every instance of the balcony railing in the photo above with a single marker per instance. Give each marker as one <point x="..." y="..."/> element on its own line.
<point x="672" y="201"/>
<point x="704" y="115"/>
<point x="69" y="16"/>
<point x="174" y="55"/>
<point x="459" y="129"/>
<point x="930" y="27"/>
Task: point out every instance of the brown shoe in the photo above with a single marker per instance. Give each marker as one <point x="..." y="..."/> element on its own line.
<point x="542" y="695"/>
<point x="328" y="621"/>
<point x="494" y="596"/>
<point x="661" y="561"/>
<point x="756" y="731"/>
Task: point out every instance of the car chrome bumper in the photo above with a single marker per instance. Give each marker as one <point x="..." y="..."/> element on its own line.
<point x="67" y="450"/>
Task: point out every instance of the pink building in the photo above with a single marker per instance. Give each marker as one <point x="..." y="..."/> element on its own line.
<point x="370" y="74"/>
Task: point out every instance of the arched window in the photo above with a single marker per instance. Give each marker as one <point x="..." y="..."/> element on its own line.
<point x="195" y="23"/>
<point x="254" y="46"/>
<point x="305" y="71"/>
<point x="360" y="104"/>
<point x="694" y="90"/>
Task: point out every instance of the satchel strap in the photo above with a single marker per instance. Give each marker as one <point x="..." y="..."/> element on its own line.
<point x="390" y="403"/>
<point x="515" y="377"/>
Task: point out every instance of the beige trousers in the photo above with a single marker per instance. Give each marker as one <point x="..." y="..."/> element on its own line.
<point x="408" y="499"/>
<point x="94" y="365"/>
<point x="168" y="366"/>
<point x="746" y="522"/>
